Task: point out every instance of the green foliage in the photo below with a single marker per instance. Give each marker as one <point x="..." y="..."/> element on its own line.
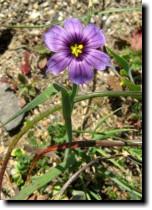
<point x="57" y="133"/>
<point x="44" y="179"/>
<point x="41" y="49"/>
<point x="137" y="111"/>
<point x="123" y="63"/>
<point x="133" y="57"/>
<point x="22" y="163"/>
<point x="33" y="141"/>
<point x="129" y="60"/>
<point x="27" y="89"/>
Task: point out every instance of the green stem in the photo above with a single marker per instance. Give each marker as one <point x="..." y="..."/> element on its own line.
<point x="73" y="93"/>
<point x="81" y="17"/>
<point x="108" y="94"/>
<point x="68" y="122"/>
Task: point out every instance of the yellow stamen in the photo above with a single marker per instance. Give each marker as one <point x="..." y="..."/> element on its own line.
<point x="76" y="49"/>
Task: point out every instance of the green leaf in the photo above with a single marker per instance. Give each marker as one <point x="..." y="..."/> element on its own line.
<point x="78" y="195"/>
<point x="96" y="196"/>
<point x="121" y="182"/>
<point x="17" y="152"/>
<point x="45" y="95"/>
<point x="67" y="104"/>
<point x="104" y="119"/>
<point x="41" y="49"/>
<point x="108" y="94"/>
<point x="130" y="85"/>
<point x="111" y="133"/>
<point x="122" y="62"/>
<point x="43" y="180"/>
<point x="103" y="153"/>
<point x="22" y="79"/>
<point x="135" y="154"/>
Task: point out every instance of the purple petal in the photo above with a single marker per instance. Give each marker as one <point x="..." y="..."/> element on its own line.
<point x="93" y="36"/>
<point x="80" y="71"/>
<point x="56" y="39"/>
<point x="58" y="62"/>
<point x="73" y="28"/>
<point x="97" y="59"/>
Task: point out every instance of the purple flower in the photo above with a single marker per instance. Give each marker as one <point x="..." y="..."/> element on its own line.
<point x="76" y="48"/>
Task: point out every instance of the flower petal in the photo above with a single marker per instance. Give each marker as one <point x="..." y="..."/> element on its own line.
<point x="56" y="39"/>
<point x="73" y="27"/>
<point x="97" y="59"/>
<point x="93" y="36"/>
<point x="58" y="62"/>
<point x="80" y="71"/>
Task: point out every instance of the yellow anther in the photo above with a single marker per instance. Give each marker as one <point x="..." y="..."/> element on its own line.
<point x="76" y="49"/>
<point x="80" y="46"/>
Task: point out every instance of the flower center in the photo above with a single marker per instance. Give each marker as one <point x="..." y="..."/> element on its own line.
<point x="76" y="49"/>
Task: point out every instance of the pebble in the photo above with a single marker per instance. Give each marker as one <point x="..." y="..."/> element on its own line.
<point x="79" y="6"/>
<point x="51" y="12"/>
<point x="65" y="3"/>
<point x="92" y="20"/>
<point x="9" y="105"/>
<point x="36" y="6"/>
<point x="15" y="7"/>
<point x="35" y="15"/>
<point x="45" y="4"/>
<point x="25" y="1"/>
<point x="60" y="18"/>
<point x="104" y="18"/>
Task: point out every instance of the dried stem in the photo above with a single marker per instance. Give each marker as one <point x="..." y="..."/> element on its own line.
<point x="75" y="176"/>
<point x="80" y="144"/>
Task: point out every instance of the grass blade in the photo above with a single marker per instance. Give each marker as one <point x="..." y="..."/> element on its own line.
<point x="103" y="153"/>
<point x="122" y="62"/>
<point x="43" y="180"/>
<point x="104" y="119"/>
<point x="121" y="183"/>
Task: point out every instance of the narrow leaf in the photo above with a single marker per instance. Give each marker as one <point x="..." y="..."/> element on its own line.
<point x="122" y="62"/>
<point x="43" y="180"/>
<point x="121" y="183"/>
<point x="102" y="152"/>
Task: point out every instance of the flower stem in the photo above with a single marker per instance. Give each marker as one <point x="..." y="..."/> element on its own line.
<point x="73" y="93"/>
<point x="68" y="124"/>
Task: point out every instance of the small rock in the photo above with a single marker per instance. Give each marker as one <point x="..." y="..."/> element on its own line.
<point x="65" y="3"/>
<point x="51" y="12"/>
<point x="42" y="63"/>
<point x="25" y="1"/>
<point x="79" y="6"/>
<point x="34" y="15"/>
<point x="45" y="4"/>
<point x="36" y="6"/>
<point x="15" y="7"/>
<point x="73" y="1"/>
<point x="60" y="18"/>
<point x="104" y="18"/>
<point x="92" y="20"/>
<point x="9" y="105"/>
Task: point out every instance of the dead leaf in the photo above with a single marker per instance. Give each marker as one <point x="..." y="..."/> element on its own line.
<point x="136" y="40"/>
